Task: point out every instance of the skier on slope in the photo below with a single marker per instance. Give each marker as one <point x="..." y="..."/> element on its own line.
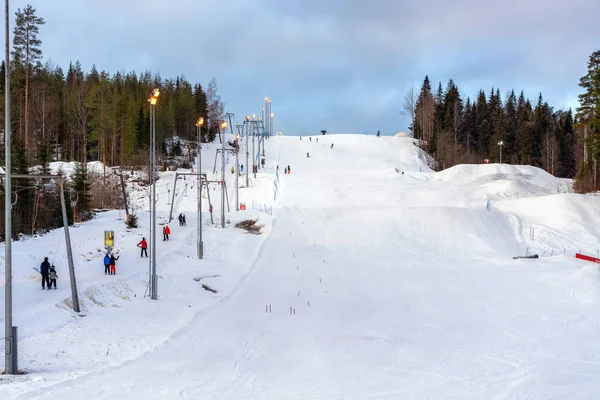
<point x="144" y="246"/>
<point x="184" y="223"/>
<point x="44" y="270"/>
<point x="52" y="276"/>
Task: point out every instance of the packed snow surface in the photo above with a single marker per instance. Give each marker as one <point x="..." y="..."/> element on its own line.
<point x="374" y="278"/>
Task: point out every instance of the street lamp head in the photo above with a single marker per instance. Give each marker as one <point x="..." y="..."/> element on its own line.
<point x="266" y="99"/>
<point x="224" y="124"/>
<point x="247" y="118"/>
<point x="500" y="143"/>
<point x="237" y="137"/>
<point x="272" y="115"/>
<point x="154" y="98"/>
<point x="200" y="121"/>
<point x="253" y="116"/>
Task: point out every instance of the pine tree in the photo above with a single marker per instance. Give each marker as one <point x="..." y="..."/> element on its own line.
<point x="566" y="142"/>
<point x="483" y="126"/>
<point x="22" y="192"/>
<point x="588" y="113"/>
<point x="510" y="128"/>
<point x="201" y="109"/>
<point x="524" y="131"/>
<point x="27" y="50"/>
<point x="81" y="189"/>
<point x="424" y="115"/>
<point x="142" y="128"/>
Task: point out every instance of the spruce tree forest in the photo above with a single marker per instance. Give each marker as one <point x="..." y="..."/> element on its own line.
<point x="74" y="115"/>
<point x="456" y="130"/>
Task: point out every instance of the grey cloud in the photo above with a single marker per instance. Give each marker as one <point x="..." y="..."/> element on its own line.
<point x="333" y="64"/>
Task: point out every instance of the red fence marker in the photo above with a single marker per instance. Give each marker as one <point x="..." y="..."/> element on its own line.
<point x="587" y="258"/>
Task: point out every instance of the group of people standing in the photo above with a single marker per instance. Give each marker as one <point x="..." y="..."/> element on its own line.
<point x="181" y="219"/>
<point x="49" y="275"/>
<point x="110" y="264"/>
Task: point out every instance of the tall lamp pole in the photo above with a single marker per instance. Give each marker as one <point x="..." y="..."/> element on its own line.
<point x="224" y="128"/>
<point x="254" y="129"/>
<point x="501" y="143"/>
<point x="247" y="152"/>
<point x="10" y="343"/>
<point x="153" y="279"/>
<point x="237" y="172"/>
<point x="199" y="180"/>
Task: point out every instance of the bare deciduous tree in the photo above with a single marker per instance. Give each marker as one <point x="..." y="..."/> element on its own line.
<point x="409" y="108"/>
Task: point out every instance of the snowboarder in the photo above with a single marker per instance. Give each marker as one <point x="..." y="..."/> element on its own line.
<point x="378" y="134"/>
<point x="166" y="232"/>
<point x="285" y="170"/>
<point x="184" y="223"/>
<point x="232" y="170"/>
<point x="113" y="264"/>
<point x="331" y="146"/>
<point x="242" y="168"/>
<point x="144" y="246"/>
<point x="107" y="264"/>
<point x="310" y="139"/>
<point x="317" y="140"/>
<point x="53" y="277"/>
<point x="307" y="154"/>
<point x="44" y="270"/>
<point x="289" y="170"/>
<point x="300" y="137"/>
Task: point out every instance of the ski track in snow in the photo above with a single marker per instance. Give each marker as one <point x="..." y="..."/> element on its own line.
<point x="401" y="286"/>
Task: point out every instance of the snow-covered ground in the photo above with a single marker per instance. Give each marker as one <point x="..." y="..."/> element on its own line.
<point x="375" y="278"/>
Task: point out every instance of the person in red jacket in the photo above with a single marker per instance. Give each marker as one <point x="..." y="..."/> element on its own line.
<point x="166" y="233"/>
<point x="144" y="246"/>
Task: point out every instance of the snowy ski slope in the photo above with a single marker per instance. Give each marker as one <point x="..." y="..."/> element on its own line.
<point x="400" y="282"/>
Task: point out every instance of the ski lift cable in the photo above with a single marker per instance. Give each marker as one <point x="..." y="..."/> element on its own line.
<point x="56" y="251"/>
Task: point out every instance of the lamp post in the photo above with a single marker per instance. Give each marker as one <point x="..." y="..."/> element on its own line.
<point x="237" y="173"/>
<point x="266" y="114"/>
<point x="247" y="152"/>
<point x="501" y="143"/>
<point x="10" y="339"/>
<point x="272" y="120"/>
<point x="254" y="129"/>
<point x="199" y="183"/>
<point x="153" y="280"/>
<point x="224" y="128"/>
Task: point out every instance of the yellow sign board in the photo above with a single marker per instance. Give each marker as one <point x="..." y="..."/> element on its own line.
<point x="109" y="238"/>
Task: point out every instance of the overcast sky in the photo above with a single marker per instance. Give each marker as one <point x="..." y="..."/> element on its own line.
<point x="340" y="65"/>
